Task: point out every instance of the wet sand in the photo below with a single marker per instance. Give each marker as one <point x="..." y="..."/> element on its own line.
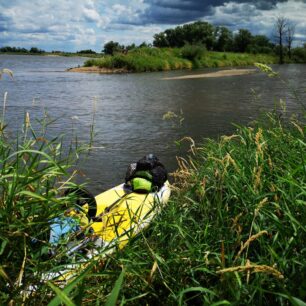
<point x="95" y="69"/>
<point x="217" y="74"/>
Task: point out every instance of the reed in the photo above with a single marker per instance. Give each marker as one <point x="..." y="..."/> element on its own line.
<point x="35" y="171"/>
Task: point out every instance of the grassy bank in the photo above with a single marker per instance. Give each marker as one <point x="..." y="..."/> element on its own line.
<point x="154" y="59"/>
<point x="234" y="231"/>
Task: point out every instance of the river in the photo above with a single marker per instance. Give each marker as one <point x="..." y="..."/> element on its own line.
<point x="129" y="108"/>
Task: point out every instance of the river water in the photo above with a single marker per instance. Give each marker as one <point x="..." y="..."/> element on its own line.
<point x="129" y="108"/>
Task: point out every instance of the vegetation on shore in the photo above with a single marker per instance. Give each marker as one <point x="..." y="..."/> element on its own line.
<point x="232" y="234"/>
<point x="163" y="59"/>
<point x="35" y="171"/>
<point x="196" y="45"/>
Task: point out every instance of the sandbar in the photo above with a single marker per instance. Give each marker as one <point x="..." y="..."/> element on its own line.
<point x="95" y="69"/>
<point x="217" y="74"/>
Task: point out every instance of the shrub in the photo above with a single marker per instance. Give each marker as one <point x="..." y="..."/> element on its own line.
<point x="193" y="52"/>
<point x="299" y="55"/>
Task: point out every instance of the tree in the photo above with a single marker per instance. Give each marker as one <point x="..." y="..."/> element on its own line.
<point x="197" y="33"/>
<point x="290" y="37"/>
<point x="36" y="50"/>
<point x="160" y="40"/>
<point x="260" y="44"/>
<point x="281" y="25"/>
<point x="111" y="47"/>
<point x="87" y="51"/>
<point x="242" y="40"/>
<point x="224" y="39"/>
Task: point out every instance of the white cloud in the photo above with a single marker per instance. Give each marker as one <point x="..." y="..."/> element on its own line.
<point x="246" y="15"/>
<point x="76" y="24"/>
<point x="82" y="23"/>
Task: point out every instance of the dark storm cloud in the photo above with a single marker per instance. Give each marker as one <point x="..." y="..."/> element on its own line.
<point x="180" y="11"/>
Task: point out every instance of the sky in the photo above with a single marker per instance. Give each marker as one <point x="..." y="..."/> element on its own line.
<point x="74" y="25"/>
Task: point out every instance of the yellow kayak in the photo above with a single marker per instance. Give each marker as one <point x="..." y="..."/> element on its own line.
<point x="121" y="214"/>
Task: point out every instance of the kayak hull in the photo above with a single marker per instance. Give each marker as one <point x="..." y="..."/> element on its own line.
<point x="121" y="214"/>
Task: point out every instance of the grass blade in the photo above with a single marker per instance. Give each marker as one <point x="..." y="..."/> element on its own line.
<point x="112" y="299"/>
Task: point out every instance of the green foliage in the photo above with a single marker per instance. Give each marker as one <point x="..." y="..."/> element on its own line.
<point x="299" y="55"/>
<point x="33" y="50"/>
<point x="111" y="47"/>
<point x="160" y="59"/>
<point x="234" y="232"/>
<point x="224" y="39"/>
<point x="34" y="173"/>
<point x="193" y="52"/>
<point x="87" y="51"/>
<point x="141" y="60"/>
<point x="113" y="297"/>
<point x="196" y="33"/>
<point x="242" y="40"/>
<point x="214" y="38"/>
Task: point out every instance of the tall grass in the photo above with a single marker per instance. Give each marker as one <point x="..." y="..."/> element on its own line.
<point x="156" y="59"/>
<point x="234" y="232"/>
<point x="34" y="173"/>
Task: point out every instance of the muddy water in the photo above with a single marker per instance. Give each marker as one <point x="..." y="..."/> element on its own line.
<point x="129" y="108"/>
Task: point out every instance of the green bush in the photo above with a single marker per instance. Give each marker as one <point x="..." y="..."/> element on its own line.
<point x="299" y="55"/>
<point x="193" y="52"/>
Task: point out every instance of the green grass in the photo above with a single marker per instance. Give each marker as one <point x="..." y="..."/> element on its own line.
<point x="35" y="170"/>
<point x="240" y="205"/>
<point x="155" y="59"/>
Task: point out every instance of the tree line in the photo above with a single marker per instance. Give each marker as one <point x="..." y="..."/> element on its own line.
<point x="220" y="38"/>
<point x="33" y="50"/>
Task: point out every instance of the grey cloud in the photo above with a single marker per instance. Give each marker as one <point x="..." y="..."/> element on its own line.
<point x="180" y="11"/>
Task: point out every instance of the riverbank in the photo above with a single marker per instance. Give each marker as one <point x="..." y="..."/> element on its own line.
<point x="154" y="59"/>
<point x="234" y="231"/>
